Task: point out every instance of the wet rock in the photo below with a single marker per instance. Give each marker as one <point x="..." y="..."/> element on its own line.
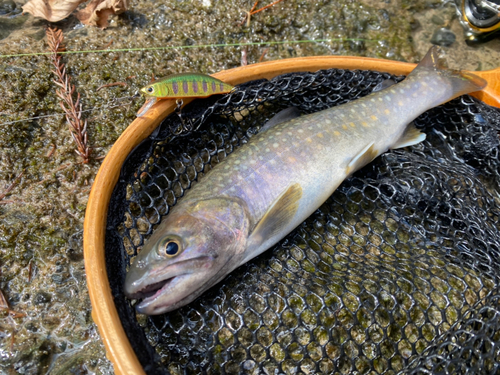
<point x="443" y="37"/>
<point x="7" y="6"/>
<point x="74" y="255"/>
<point x="31" y="327"/>
<point x="41" y="297"/>
<point x="415" y="24"/>
<point x="437" y="20"/>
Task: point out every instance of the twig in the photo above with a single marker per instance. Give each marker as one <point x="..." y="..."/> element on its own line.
<point x="66" y="91"/>
<point x="5" y="307"/>
<point x="51" y="151"/>
<point x="248" y="14"/>
<point x="30" y="270"/>
<point x="244" y="53"/>
<point x="11" y="186"/>
<point x="112" y="84"/>
<point x="263" y="55"/>
<point x="252" y="11"/>
<point x="107" y="45"/>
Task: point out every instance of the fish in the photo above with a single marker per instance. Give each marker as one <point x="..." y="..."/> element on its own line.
<point x="266" y="188"/>
<point x="186" y="85"/>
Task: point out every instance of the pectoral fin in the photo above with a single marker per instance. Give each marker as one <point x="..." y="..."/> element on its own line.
<point x="362" y="158"/>
<point x="410" y="137"/>
<point x="277" y="217"/>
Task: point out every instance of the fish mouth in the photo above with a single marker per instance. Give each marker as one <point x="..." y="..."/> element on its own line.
<point x="150" y="291"/>
<point x="178" y="282"/>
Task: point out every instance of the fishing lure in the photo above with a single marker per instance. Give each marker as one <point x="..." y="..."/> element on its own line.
<point x="186" y="85"/>
<point x="183" y="85"/>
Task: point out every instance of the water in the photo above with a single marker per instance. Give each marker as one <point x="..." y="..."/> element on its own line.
<point x="42" y="272"/>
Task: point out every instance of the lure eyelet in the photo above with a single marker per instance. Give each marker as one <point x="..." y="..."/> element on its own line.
<point x="170" y="247"/>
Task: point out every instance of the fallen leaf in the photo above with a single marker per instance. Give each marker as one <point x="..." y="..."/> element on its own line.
<point x="97" y="12"/>
<point x="51" y="10"/>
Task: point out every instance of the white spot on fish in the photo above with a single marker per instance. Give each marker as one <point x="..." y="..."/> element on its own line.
<point x="301" y="131"/>
<point x="275" y="145"/>
<point x="386" y="111"/>
<point x="388" y="98"/>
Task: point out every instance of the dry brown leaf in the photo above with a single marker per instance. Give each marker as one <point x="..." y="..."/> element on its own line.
<point x="51" y="10"/>
<point x="97" y="12"/>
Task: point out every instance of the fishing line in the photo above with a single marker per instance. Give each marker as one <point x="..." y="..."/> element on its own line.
<point x="318" y="41"/>
<point x="111" y="104"/>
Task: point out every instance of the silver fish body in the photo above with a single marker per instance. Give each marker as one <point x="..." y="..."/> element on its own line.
<point x="266" y="188"/>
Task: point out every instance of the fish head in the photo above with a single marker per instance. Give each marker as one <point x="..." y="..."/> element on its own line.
<point x="152" y="90"/>
<point x="189" y="252"/>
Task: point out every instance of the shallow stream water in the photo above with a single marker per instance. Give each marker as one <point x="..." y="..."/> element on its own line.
<point x="42" y="274"/>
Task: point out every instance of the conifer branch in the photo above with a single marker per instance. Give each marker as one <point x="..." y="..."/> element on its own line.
<point x="66" y="92"/>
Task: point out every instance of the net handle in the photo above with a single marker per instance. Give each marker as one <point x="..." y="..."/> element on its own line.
<point x="104" y="312"/>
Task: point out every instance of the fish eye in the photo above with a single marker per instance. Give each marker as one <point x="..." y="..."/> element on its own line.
<point x="170" y="247"/>
<point x="150" y="89"/>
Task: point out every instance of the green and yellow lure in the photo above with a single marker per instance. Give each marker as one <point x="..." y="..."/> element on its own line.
<point x="186" y="85"/>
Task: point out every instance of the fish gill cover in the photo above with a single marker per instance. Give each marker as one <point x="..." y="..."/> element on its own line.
<point x="397" y="272"/>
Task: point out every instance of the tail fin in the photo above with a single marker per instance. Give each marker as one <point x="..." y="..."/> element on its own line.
<point x="462" y="82"/>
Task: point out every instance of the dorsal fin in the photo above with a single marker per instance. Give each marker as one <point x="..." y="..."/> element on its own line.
<point x="286" y="114"/>
<point x="384" y="84"/>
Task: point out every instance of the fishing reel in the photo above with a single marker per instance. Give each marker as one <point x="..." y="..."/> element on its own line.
<point x="480" y="19"/>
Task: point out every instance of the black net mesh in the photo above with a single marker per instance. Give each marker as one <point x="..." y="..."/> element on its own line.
<point x="397" y="272"/>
